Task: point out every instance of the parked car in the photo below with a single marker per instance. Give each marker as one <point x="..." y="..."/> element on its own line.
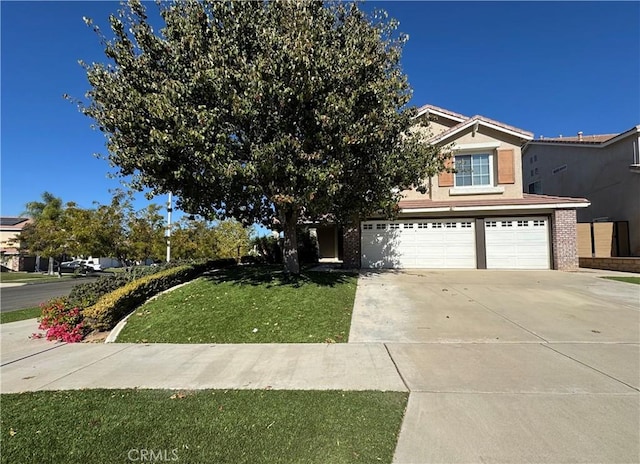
<point x="74" y="266"/>
<point x="93" y="264"/>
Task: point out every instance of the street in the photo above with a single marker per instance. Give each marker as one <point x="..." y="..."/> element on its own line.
<point x="28" y="296"/>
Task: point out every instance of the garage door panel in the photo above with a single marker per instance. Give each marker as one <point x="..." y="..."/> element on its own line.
<point x="517" y="243"/>
<point x="419" y="244"/>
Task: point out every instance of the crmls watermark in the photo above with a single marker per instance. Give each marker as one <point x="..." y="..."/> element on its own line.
<point x="152" y="455"/>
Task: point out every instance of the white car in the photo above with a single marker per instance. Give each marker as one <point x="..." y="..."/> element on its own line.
<point x="92" y="264"/>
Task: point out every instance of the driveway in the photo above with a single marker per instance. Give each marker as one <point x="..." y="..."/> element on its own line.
<point x="521" y="366"/>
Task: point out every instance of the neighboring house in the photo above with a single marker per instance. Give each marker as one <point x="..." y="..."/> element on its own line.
<point x="10" y="243"/>
<point x="603" y="168"/>
<point x="475" y="218"/>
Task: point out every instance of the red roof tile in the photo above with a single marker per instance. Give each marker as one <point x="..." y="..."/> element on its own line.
<point x="595" y="138"/>
<point x="527" y="199"/>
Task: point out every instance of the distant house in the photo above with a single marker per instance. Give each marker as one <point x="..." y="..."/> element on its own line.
<point x="11" y="247"/>
<point x="475" y="218"/>
<point x="603" y="168"/>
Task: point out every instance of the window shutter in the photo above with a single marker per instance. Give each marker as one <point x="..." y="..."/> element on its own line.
<point x="506" y="171"/>
<point x="445" y="179"/>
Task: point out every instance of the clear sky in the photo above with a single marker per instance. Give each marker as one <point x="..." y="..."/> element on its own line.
<point x="547" y="67"/>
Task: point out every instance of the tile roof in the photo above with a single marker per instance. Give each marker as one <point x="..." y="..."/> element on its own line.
<point x="527" y="199"/>
<point x="424" y="108"/>
<point x="595" y="138"/>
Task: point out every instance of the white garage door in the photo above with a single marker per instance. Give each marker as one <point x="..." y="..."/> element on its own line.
<point x="517" y="243"/>
<point x="426" y="244"/>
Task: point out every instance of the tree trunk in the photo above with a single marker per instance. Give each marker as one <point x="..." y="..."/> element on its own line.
<point x="50" y="269"/>
<point x="290" y="249"/>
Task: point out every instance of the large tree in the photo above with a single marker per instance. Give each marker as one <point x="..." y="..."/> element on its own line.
<point x="267" y="111"/>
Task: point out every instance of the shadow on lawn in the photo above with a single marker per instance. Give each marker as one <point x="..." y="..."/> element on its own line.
<point x="274" y="276"/>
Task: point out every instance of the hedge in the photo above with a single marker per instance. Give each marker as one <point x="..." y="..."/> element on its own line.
<point x="88" y="294"/>
<point x="112" y="307"/>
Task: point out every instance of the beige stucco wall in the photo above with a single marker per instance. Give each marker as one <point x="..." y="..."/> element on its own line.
<point x="483" y="135"/>
<point x="602" y="175"/>
<point x="9" y="239"/>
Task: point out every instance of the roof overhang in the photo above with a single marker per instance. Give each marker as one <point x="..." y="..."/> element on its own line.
<point x="477" y="121"/>
<point x="429" y="109"/>
<point x="585" y="144"/>
<point x="488" y="208"/>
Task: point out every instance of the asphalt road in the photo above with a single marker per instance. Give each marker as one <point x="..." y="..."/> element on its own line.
<point x="28" y="296"/>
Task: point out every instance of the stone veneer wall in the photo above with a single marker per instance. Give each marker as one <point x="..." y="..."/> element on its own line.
<point x="624" y="264"/>
<point x="351" y="247"/>
<point x="564" y="237"/>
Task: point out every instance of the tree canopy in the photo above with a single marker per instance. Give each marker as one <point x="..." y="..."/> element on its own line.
<point x="266" y="112"/>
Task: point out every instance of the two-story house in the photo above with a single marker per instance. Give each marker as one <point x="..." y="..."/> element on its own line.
<point x="10" y="243"/>
<point x="474" y="218"/>
<point x="604" y="168"/>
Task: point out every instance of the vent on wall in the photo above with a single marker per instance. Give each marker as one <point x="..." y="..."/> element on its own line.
<point x="559" y="169"/>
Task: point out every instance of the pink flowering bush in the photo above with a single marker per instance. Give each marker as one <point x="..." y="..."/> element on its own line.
<point x="61" y="321"/>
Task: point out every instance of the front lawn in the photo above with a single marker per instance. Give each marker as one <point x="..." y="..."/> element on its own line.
<point x="249" y="305"/>
<point x="631" y="280"/>
<point x="208" y="426"/>
<point x="20" y="315"/>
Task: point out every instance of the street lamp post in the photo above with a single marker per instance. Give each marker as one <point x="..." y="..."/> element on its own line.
<point x="168" y="232"/>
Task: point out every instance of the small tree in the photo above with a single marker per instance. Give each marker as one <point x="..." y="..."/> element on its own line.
<point x="46" y="235"/>
<point x="263" y="111"/>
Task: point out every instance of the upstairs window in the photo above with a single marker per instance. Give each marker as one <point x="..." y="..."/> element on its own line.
<point x="473" y="170"/>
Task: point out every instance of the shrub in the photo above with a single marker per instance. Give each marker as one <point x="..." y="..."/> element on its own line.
<point x="88" y="294"/>
<point x="112" y="307"/>
<point x="62" y="321"/>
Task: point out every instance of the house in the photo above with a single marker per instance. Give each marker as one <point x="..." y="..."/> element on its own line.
<point x="10" y="244"/>
<point x="603" y="168"/>
<point x="475" y="218"/>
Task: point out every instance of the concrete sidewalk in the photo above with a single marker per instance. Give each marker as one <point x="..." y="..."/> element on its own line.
<point x="30" y="365"/>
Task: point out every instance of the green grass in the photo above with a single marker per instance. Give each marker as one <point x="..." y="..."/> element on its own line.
<point x="27" y="277"/>
<point x="631" y="280"/>
<point x="249" y="305"/>
<point x="204" y="427"/>
<point x="20" y="315"/>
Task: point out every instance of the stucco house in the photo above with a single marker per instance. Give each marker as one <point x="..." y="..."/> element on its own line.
<point x="604" y="168"/>
<point x="10" y="243"/>
<point x="475" y="218"/>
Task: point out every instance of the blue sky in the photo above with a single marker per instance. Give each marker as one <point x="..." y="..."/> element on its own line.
<point x="548" y="67"/>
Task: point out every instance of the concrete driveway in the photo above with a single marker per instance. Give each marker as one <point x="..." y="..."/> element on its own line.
<point x="524" y="366"/>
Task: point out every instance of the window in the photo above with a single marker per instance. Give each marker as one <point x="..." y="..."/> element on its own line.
<point x="491" y="224"/>
<point x="538" y="223"/>
<point x="536" y="170"/>
<point x="367" y="226"/>
<point x="450" y="225"/>
<point x="535" y="187"/>
<point x="465" y="225"/>
<point x="523" y="223"/>
<point x="381" y="226"/>
<point x="394" y="226"/>
<point x="535" y="157"/>
<point x="507" y="224"/>
<point x="472" y="170"/>
<point x="407" y="226"/>
<point x="436" y="225"/>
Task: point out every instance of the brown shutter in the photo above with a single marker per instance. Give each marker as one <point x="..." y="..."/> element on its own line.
<point x="445" y="179"/>
<point x="506" y="171"/>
